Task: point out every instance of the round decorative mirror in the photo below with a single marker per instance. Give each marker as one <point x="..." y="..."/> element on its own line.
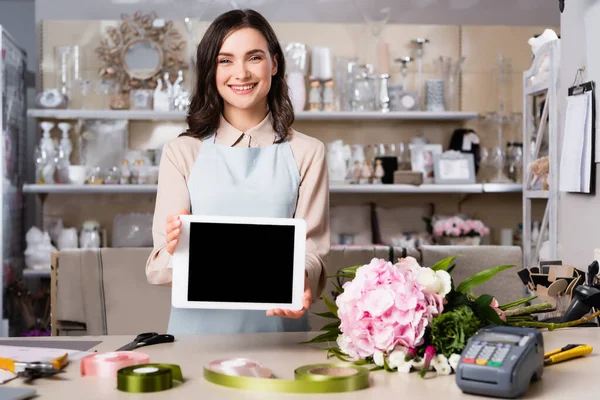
<point x="142" y="59"/>
<point x="138" y="52"/>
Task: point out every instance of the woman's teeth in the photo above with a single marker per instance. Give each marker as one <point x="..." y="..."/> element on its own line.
<point x="243" y="88"/>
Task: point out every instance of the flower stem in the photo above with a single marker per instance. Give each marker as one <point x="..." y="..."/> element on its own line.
<point x="551" y="325"/>
<point x="517" y="303"/>
<point x="528" y="309"/>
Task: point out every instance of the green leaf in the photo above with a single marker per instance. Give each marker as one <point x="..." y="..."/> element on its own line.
<point x="376" y="368"/>
<point x="456" y="300"/>
<point x="337" y="287"/>
<point x="362" y="362"/>
<point x="328" y="314"/>
<point x="335" y="352"/>
<point x="443" y="264"/>
<point x="481" y="277"/>
<point x="330" y="305"/>
<point x="350" y="270"/>
<point x="332" y="326"/>
<point x="343" y="275"/>
<point x="322" y="338"/>
<point x="481" y="308"/>
<point x="451" y="268"/>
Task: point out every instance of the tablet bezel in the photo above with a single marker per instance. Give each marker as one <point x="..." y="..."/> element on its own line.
<point x="180" y="264"/>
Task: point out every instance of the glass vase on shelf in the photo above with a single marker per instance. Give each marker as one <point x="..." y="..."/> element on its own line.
<point x="376" y="18"/>
<point x="497" y="157"/>
<point x="403" y="153"/>
<point x="67" y="69"/>
<point x="364" y="93"/>
<point x="503" y="74"/>
<point x="449" y="70"/>
<point x="485" y="167"/>
<point x="102" y="89"/>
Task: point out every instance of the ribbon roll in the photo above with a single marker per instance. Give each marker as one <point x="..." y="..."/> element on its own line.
<point x="247" y="374"/>
<point x="106" y="365"/>
<point x="147" y="378"/>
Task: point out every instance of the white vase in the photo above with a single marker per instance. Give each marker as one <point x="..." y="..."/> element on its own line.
<point x="297" y="87"/>
<point x="463" y="241"/>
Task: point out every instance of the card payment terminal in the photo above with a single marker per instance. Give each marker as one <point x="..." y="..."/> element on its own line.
<point x="501" y="361"/>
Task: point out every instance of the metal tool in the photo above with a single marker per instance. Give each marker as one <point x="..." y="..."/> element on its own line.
<point x="147" y="339"/>
<point x="35" y="370"/>
<point x="567" y="352"/>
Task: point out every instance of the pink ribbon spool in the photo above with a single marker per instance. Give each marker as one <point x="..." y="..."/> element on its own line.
<point x="240" y="367"/>
<point x="106" y="365"/>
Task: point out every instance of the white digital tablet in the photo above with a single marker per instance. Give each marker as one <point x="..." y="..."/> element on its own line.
<point x="246" y="263"/>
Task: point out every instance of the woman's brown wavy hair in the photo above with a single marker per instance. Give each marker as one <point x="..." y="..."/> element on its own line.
<point x="206" y="105"/>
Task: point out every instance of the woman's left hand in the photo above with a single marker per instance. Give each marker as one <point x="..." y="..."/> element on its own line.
<point x="306" y="301"/>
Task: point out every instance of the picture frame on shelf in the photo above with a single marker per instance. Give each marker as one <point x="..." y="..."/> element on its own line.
<point x="454" y="167"/>
<point x="141" y="99"/>
<point x="422" y="159"/>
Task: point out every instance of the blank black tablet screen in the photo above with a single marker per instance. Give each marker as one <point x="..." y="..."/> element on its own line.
<point x="241" y="263"/>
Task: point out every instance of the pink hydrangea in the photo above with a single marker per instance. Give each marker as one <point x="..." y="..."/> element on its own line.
<point x="457" y="227"/>
<point x="478" y="227"/>
<point x="384" y="306"/>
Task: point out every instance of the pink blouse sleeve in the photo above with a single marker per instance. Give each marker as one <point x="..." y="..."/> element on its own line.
<point x="313" y="207"/>
<point x="172" y="196"/>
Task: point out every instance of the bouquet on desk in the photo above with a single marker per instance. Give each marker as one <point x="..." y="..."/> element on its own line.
<point x="404" y="317"/>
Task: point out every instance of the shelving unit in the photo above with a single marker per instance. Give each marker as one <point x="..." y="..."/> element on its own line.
<point x="36" y="273"/>
<point x="549" y="113"/>
<point x="151" y="115"/>
<point x="334" y="188"/>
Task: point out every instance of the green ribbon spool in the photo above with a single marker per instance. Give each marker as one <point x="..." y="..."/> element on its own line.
<point x="314" y="378"/>
<point x="147" y="378"/>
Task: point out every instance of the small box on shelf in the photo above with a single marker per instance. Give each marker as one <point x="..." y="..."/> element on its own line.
<point x="408" y="178"/>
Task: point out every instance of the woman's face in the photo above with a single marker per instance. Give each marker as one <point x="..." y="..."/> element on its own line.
<point x="245" y="69"/>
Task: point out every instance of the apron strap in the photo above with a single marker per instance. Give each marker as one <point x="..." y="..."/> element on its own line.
<point x="210" y="139"/>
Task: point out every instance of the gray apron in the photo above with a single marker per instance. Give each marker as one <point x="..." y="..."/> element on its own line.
<point x="245" y="182"/>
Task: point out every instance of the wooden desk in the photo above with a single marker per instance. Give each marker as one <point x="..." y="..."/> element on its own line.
<point x="282" y="353"/>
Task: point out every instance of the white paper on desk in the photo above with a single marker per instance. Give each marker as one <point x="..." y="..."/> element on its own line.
<point x="576" y="153"/>
<point x="33" y="354"/>
<point x="592" y="32"/>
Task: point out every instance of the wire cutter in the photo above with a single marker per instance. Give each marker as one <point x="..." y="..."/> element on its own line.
<point x="35" y="370"/>
<point x="566" y="353"/>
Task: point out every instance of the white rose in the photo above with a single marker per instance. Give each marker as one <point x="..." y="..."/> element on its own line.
<point x="378" y="358"/>
<point x="397" y="359"/>
<point x="453" y="360"/>
<point x="419" y="365"/>
<point x="440" y="364"/>
<point x="343" y="343"/>
<point x="446" y="282"/>
<point x="435" y="281"/>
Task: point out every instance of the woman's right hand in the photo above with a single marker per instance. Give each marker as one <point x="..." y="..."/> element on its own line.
<point x="173" y="230"/>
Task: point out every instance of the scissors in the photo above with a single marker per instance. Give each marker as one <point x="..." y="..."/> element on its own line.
<point x="35" y="370"/>
<point x="566" y="353"/>
<point x="147" y="339"/>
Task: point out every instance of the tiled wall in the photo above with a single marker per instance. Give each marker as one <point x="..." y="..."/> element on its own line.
<point x="482" y="46"/>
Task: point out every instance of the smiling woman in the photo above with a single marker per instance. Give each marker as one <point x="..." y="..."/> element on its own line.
<point x="240" y="157"/>
<point x="250" y="62"/>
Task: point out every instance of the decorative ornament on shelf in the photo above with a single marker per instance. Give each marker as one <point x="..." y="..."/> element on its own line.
<point x="404" y="317"/>
<point x="543" y="65"/>
<point x="135" y="53"/>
